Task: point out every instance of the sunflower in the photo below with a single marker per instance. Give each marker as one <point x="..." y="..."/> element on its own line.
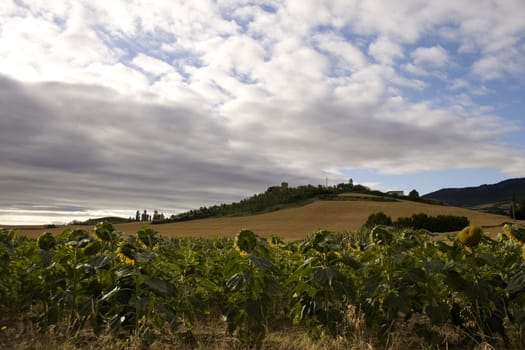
<point x="245" y="242"/>
<point x="46" y="241"/>
<point x="515" y="233"/>
<point x="147" y="237"/>
<point x="105" y="231"/>
<point x="126" y="252"/>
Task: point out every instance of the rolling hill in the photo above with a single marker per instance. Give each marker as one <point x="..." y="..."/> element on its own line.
<point x="348" y="213"/>
<point x="497" y="195"/>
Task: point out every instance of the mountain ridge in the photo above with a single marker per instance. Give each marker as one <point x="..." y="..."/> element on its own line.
<point x="498" y="195"/>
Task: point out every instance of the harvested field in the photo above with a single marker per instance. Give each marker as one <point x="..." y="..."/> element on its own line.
<point x="296" y="223"/>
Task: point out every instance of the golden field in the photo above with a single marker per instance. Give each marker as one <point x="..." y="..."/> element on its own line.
<point x="296" y="223"/>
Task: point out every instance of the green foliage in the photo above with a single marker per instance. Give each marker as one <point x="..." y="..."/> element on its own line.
<point x="440" y="223"/>
<point x="274" y="200"/>
<point x="413" y="195"/>
<point x="267" y="201"/>
<point x="250" y="289"/>
<point x="144" y="285"/>
<point x="322" y="290"/>
<point x="379" y="218"/>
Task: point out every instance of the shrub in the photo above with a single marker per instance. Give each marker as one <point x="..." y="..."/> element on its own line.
<point x="379" y="218"/>
<point x="440" y="223"/>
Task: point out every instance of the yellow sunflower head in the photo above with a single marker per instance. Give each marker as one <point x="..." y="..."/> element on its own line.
<point x="516" y="233"/>
<point x="470" y="236"/>
<point x="127" y="253"/>
<point x="245" y="242"/>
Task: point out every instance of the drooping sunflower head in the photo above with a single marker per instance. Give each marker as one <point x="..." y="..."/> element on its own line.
<point x="245" y="242"/>
<point x="6" y="236"/>
<point x="78" y="238"/>
<point x="105" y="231"/>
<point x="127" y="253"/>
<point x="470" y="236"/>
<point x="515" y="233"/>
<point x="147" y="237"/>
<point x="46" y="241"/>
<point x="381" y="234"/>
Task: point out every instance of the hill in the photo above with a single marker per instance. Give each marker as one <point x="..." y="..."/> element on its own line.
<point x="348" y="212"/>
<point x="275" y="198"/>
<point x="110" y="219"/>
<point x="493" y="196"/>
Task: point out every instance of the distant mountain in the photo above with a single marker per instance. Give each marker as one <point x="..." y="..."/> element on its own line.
<point x="490" y="196"/>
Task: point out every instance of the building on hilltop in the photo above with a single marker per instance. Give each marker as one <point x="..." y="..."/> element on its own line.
<point x="396" y="193"/>
<point x="284" y="186"/>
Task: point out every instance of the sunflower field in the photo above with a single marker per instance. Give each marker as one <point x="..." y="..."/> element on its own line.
<point x="386" y="280"/>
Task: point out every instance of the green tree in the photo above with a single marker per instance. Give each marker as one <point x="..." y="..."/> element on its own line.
<point x="520" y="210"/>
<point x="413" y="194"/>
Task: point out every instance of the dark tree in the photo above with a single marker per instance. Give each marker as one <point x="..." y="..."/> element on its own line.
<point x="413" y="194"/>
<point x="520" y="210"/>
<point x="378" y="219"/>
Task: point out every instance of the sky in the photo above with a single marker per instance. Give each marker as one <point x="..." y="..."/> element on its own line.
<point x="107" y="107"/>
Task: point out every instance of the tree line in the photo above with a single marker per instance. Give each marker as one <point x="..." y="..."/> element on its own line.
<point x="156" y="217"/>
<point x="440" y="223"/>
<point x="274" y="199"/>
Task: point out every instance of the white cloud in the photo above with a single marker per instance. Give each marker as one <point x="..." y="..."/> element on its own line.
<point x="435" y="55"/>
<point x="348" y="57"/>
<point x="239" y="94"/>
<point x="459" y="84"/>
<point x="414" y="70"/>
<point x="498" y="65"/>
<point x="385" y="51"/>
<point x="151" y="65"/>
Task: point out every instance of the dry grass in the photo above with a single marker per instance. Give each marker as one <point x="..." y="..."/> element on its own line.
<point x="213" y="337"/>
<point x="296" y="223"/>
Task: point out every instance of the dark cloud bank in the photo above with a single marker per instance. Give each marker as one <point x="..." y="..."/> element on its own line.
<point x="86" y="147"/>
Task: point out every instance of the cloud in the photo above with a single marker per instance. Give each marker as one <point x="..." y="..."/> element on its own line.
<point x="459" y="84"/>
<point x="414" y="70"/>
<point x="385" y="51"/>
<point x="152" y="65"/>
<point x="436" y="55"/>
<point x="498" y="65"/>
<point x="176" y="105"/>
